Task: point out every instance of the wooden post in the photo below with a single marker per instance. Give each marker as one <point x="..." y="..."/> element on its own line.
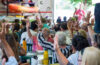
<point x="7" y="8"/>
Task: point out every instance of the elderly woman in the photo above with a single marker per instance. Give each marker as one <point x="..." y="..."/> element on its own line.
<point x="61" y="41"/>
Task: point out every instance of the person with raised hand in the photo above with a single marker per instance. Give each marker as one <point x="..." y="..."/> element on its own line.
<point x="79" y="43"/>
<point x="9" y="52"/>
<point x="43" y="41"/>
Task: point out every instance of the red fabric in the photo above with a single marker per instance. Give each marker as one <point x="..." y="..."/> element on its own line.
<point x="80" y="14"/>
<point x="29" y="1"/>
<point x="50" y="40"/>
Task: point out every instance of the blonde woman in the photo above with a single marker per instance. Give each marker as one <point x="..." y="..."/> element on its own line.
<point x="91" y="56"/>
<point x="83" y="33"/>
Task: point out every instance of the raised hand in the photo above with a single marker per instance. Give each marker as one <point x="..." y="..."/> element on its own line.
<point x="92" y="21"/>
<point x="2" y="33"/>
<point x="70" y="25"/>
<point x="56" y="46"/>
<point x="39" y="20"/>
<point x="88" y="16"/>
<point x="28" y="24"/>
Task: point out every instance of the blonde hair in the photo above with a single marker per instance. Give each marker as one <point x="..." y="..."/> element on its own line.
<point x="46" y="30"/>
<point x="91" y="56"/>
<point x="83" y="33"/>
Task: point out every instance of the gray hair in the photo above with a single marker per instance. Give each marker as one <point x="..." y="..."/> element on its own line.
<point x="61" y="38"/>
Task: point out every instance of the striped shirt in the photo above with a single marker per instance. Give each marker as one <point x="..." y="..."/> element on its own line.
<point x="49" y="46"/>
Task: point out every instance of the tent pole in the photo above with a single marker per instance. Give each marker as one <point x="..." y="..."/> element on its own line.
<point x="7" y="8"/>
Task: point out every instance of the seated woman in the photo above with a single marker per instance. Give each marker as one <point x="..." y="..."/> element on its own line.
<point x="79" y="43"/>
<point x="48" y="45"/>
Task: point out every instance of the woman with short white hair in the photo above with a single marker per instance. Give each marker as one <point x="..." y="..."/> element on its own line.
<point x="91" y="56"/>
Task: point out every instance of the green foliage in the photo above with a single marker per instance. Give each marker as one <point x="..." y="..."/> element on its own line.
<point x="77" y="1"/>
<point x="89" y="1"/>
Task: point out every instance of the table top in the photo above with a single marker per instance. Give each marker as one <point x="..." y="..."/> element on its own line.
<point x="55" y="64"/>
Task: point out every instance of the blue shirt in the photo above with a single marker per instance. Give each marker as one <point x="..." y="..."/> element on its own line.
<point x="11" y="61"/>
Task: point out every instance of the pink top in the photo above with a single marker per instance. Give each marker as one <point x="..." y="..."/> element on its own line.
<point x="36" y="46"/>
<point x="80" y="13"/>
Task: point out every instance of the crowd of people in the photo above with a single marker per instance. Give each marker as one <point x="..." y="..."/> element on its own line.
<point x="72" y="42"/>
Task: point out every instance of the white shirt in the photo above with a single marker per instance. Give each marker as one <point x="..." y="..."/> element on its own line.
<point x="73" y="59"/>
<point x="25" y="35"/>
<point x="95" y="1"/>
<point x="11" y="61"/>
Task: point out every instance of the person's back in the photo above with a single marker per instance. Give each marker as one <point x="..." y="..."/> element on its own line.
<point x="59" y="20"/>
<point x="45" y="25"/>
<point x="74" y="58"/>
<point x="79" y="43"/>
<point x="12" y="42"/>
<point x="64" y="28"/>
<point x="65" y="51"/>
<point x="64" y="48"/>
<point x="91" y="56"/>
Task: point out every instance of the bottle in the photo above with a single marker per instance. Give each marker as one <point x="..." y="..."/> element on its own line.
<point x="46" y="59"/>
<point x="24" y="45"/>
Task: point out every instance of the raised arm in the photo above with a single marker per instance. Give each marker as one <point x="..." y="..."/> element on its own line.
<point x="75" y="12"/>
<point x="70" y="28"/>
<point x="61" y="58"/>
<point x="6" y="46"/>
<point x="91" y="33"/>
<point x="28" y="29"/>
<point x="90" y="29"/>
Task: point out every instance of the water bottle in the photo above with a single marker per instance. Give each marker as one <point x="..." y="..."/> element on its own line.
<point x="24" y="45"/>
<point x="46" y="59"/>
